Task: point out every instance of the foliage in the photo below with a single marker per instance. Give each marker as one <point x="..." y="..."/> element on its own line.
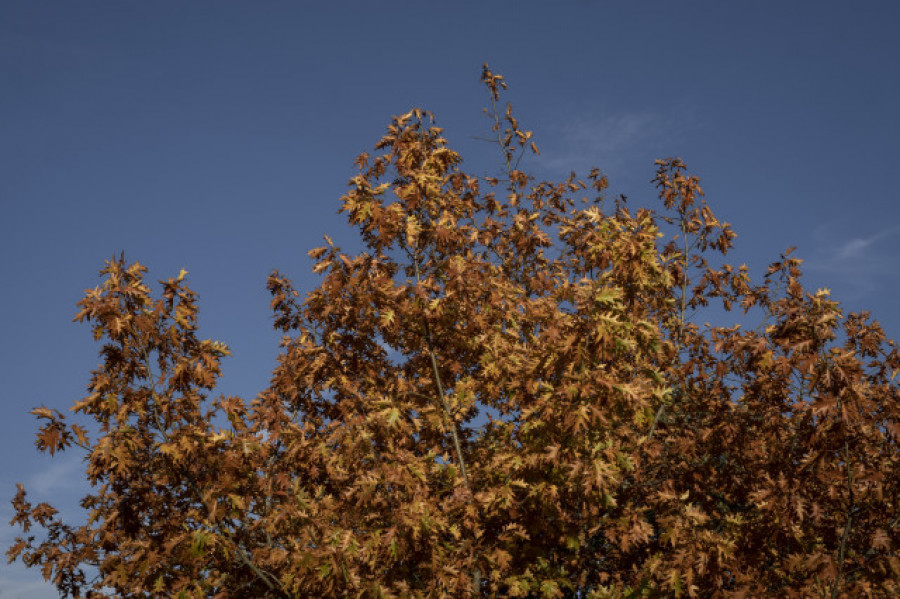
<point x="504" y="395"/>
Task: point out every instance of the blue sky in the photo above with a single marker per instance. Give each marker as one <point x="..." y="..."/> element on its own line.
<point x="218" y="137"/>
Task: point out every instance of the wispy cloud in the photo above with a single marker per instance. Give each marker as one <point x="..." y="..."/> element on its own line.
<point x="863" y="262"/>
<point x="604" y="141"/>
<point x="16" y="580"/>
<point x="857" y="248"/>
<point x="65" y="473"/>
<point x="61" y="483"/>
<point x="622" y="141"/>
<point x="19" y="582"/>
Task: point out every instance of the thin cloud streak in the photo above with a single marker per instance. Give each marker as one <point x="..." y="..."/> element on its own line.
<point x="16" y="580"/>
<point x="855" y="249"/>
<point x="860" y="262"/>
<point x="621" y="143"/>
<point x="61" y="483"/>
<point x="605" y="142"/>
<point x="64" y="473"/>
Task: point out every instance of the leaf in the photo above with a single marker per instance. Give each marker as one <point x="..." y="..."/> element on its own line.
<point x="549" y="588"/>
<point x="316" y="253"/>
<point x="881" y="540"/>
<point x="199" y="541"/>
<point x="499" y="393"/>
<point x="43" y="412"/>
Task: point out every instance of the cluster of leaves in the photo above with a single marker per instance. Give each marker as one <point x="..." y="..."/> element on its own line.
<point x="504" y="395"/>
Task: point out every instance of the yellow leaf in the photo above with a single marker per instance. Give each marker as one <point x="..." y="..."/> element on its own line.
<point x="236" y="501"/>
<point x="315" y="253"/>
<point x="42" y="412"/>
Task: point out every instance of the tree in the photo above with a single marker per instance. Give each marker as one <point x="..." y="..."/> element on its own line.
<point x="505" y="394"/>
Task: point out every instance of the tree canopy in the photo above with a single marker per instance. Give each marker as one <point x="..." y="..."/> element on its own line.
<point x="508" y="392"/>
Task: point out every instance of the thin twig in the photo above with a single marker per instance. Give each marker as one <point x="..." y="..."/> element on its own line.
<point x="439" y="388"/>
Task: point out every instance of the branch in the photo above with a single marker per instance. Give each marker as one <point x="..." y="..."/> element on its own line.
<point x="680" y="338"/>
<point x="269" y="579"/>
<point x="440" y="391"/>
<point x="846" y="534"/>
